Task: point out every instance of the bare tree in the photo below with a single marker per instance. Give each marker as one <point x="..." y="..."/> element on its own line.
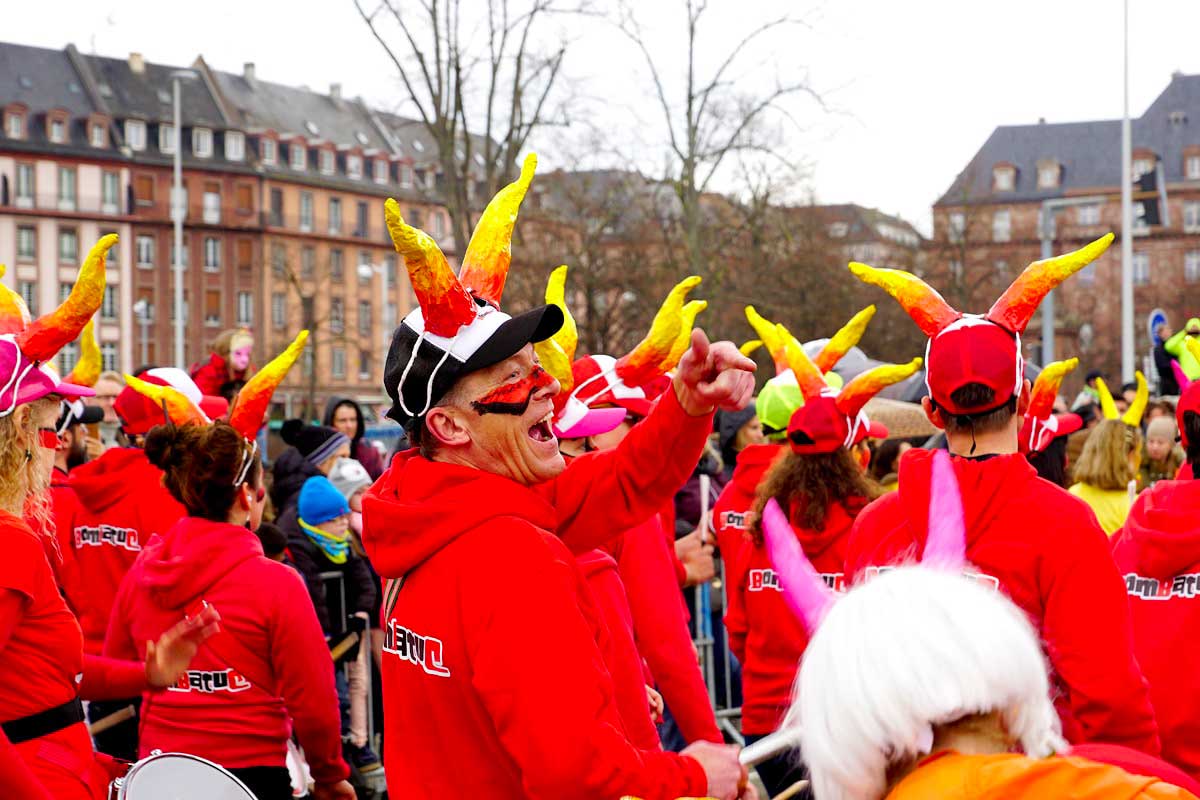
<point x="715" y="119"/>
<point x="479" y="92"/>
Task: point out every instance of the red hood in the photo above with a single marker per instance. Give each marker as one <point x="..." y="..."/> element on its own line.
<point x="1162" y="533"/>
<point x="107" y="481"/>
<point x="752" y="464"/>
<point x="420" y="506"/>
<point x="985" y="486"/>
<point x="181" y="566"/>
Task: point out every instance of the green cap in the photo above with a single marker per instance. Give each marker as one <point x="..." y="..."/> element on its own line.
<point x="780" y="398"/>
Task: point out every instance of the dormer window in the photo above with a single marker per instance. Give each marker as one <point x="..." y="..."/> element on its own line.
<point x="58" y="131"/>
<point x="270" y="150"/>
<point x="406" y="176"/>
<point x="135" y="134"/>
<point x="166" y="139"/>
<point x="1049" y="174"/>
<point x="299" y="155"/>
<point x="354" y="166"/>
<point x="328" y="162"/>
<point x="1004" y="178"/>
<point x="202" y="142"/>
<point x="97" y="135"/>
<point x="381" y="170"/>
<point x="838" y="229"/>
<point x="235" y="146"/>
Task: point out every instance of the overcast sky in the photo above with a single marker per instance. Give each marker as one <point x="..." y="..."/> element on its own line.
<point x="910" y="90"/>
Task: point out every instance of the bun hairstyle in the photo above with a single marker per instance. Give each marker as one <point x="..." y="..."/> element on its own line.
<point x="200" y="464"/>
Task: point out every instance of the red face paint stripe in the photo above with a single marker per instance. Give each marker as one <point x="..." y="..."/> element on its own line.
<point x="518" y="391"/>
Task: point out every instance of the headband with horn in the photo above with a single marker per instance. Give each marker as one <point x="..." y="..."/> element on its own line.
<point x="557" y="352"/>
<point x="1132" y="416"/>
<point x="1041" y="426"/>
<point x="250" y="406"/>
<point x="14" y="314"/>
<point x="87" y="368"/>
<point x="652" y="356"/>
<point x="807" y="594"/>
<point x="45" y="336"/>
<point x="488" y="256"/>
<point x="177" y="408"/>
<point x="769" y="337"/>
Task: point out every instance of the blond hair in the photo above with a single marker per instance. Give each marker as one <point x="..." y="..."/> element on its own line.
<point x="1105" y="462"/>
<point x="25" y="490"/>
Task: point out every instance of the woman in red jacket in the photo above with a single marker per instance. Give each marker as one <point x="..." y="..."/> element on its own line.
<point x="821" y="485"/>
<point x="268" y="669"/>
<point x="45" y="751"/>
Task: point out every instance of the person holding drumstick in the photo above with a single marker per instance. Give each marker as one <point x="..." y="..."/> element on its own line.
<point x="267" y="671"/>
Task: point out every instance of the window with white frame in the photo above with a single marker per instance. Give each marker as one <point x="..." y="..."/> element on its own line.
<point x="135" y="134"/>
<point x="108" y="356"/>
<point x="97" y="135"/>
<point x="212" y="207"/>
<point x="202" y="142"/>
<point x="28" y="292"/>
<point x="1191" y="266"/>
<point x="306" y="212"/>
<point x="1191" y="166"/>
<point x="337" y="315"/>
<point x="957" y="226"/>
<point x="381" y="170"/>
<point x="1003" y="179"/>
<point x="68" y="357"/>
<point x="25" y="185"/>
<point x="110" y="192"/>
<point x="166" y="138"/>
<point x="354" y="166"/>
<point x="235" y="146"/>
<point x="1088" y="214"/>
<point x="308" y="263"/>
<point x="245" y="308"/>
<point x="1141" y="268"/>
<point x="337" y="267"/>
<point x="26" y="243"/>
<point x="1191" y="216"/>
<point x="337" y="362"/>
<point x="1002" y="225"/>
<point x="108" y="306"/>
<point x="1048" y="175"/>
<point x="269" y="149"/>
<point x="66" y="188"/>
<point x="58" y="131"/>
<point x="335" y="216"/>
<point x="212" y="254"/>
<point x="278" y="310"/>
<point x="328" y="162"/>
<point x="299" y="155"/>
<point x="14" y="126"/>
<point x="364" y="365"/>
<point x="364" y="317"/>
<point x="406" y="176"/>
<point x="145" y="250"/>
<point x="68" y="246"/>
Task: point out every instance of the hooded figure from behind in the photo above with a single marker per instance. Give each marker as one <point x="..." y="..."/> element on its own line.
<point x="346" y="416"/>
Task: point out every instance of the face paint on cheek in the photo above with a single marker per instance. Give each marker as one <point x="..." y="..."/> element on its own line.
<point x="513" y="398"/>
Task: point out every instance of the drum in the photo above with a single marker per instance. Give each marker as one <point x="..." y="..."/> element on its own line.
<point x="177" y="776"/>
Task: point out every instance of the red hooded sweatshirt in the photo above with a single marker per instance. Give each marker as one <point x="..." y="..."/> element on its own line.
<point x="494" y="674"/>
<point x="122" y="504"/>
<point x="1158" y="552"/>
<point x="624" y="663"/>
<point x="660" y="628"/>
<point x="220" y="710"/>
<point x="763" y="632"/>
<point x="1045" y="550"/>
<point x="731" y="513"/>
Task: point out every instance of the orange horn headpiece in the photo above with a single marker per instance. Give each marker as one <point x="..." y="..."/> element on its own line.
<point x="48" y="334"/>
<point x="250" y="406"/>
<point x="1045" y="388"/>
<point x="445" y="304"/>
<point x="646" y="361"/>
<point x="179" y="409"/>
<point x="845" y="339"/>
<point x="808" y="375"/>
<point x="558" y="352"/>
<point x="857" y="392"/>
<point x="687" y="322"/>
<point x="487" y="258"/>
<point x="87" y="369"/>
<point x="14" y="314"/>
<point x="922" y="302"/>
<point x="768" y="335"/>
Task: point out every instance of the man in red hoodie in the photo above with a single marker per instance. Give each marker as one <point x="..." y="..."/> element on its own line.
<point x="1028" y="537"/>
<point x="495" y="682"/>
<point x="121" y="504"/>
<point x="1158" y="552"/>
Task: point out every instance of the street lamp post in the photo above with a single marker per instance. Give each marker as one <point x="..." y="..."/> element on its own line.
<point x="177" y="214"/>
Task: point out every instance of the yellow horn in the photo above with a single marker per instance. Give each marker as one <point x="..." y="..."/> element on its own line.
<point x="1107" y="406"/>
<point x="770" y="338"/>
<point x="87" y="368"/>
<point x="488" y="256"/>
<point x="1137" y="408"/>
<point x="845" y="339"/>
<point x="557" y="353"/>
<point x="749" y="347"/>
<point x="684" y="340"/>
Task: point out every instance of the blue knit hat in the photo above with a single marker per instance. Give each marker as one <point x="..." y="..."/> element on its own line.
<point x="320" y="501"/>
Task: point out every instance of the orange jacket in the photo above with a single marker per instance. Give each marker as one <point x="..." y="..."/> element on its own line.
<point x="953" y="776"/>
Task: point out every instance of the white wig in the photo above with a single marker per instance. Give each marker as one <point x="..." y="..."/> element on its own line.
<point x="909" y="650"/>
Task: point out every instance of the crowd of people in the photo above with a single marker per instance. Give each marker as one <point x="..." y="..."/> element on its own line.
<point x="1000" y="609"/>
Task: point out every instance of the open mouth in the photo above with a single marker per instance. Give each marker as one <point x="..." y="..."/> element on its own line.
<point x="542" y="432"/>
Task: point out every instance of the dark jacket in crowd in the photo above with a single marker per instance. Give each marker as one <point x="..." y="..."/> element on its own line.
<point x="290" y="472"/>
<point x="311" y="561"/>
<point x="1167" y="383"/>
<point x="360" y="449"/>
